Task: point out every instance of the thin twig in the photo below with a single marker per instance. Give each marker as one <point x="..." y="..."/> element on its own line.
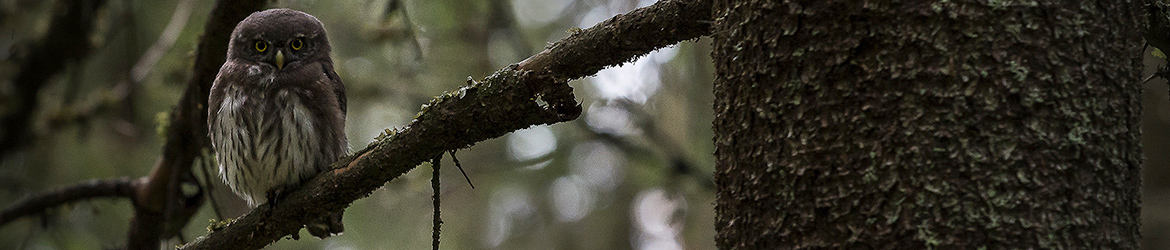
<point x="460" y="166"/>
<point x="672" y="153"/>
<point x="406" y="32"/>
<point x="94" y="105"/>
<point x="437" y="221"/>
<point x="165" y="40"/>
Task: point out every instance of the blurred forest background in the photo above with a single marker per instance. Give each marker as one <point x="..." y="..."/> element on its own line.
<point x="634" y="172"/>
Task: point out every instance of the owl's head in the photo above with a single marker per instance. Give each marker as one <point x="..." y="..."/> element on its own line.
<point x="281" y="38"/>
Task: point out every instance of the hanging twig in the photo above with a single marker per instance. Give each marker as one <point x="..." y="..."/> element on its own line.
<point x="437" y="221"/>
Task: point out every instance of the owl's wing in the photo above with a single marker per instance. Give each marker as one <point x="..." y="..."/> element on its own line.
<point x="334" y="82"/>
<point x="216" y="96"/>
<point x="231" y="73"/>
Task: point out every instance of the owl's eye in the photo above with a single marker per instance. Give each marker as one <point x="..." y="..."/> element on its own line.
<point x="296" y="44"/>
<point x="261" y="46"/>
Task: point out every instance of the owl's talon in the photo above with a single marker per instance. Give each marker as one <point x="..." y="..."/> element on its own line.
<point x="271" y="199"/>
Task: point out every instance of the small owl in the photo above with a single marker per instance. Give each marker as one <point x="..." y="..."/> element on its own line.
<point x="277" y="109"/>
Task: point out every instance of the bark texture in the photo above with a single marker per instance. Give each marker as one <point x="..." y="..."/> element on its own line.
<point x="915" y="124"/>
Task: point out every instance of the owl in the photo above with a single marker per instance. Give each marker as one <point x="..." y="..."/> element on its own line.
<point x="276" y="112"/>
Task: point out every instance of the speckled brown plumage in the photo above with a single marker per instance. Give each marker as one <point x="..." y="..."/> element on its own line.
<point x="277" y="109"/>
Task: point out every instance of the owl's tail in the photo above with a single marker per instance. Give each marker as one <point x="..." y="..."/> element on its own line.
<point x="327" y="225"/>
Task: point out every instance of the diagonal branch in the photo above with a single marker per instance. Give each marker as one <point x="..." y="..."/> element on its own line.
<point x="121" y="187"/>
<point x="535" y="92"/>
<point x="165" y="40"/>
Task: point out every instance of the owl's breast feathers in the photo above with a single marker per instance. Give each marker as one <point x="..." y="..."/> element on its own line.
<point x="270" y="135"/>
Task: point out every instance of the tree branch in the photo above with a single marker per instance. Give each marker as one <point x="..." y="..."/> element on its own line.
<point x="121" y="187"/>
<point x="623" y="38"/>
<point x="535" y="92"/>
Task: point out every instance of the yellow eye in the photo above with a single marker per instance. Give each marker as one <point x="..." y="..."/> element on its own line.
<point x="261" y="46"/>
<point x="296" y="44"/>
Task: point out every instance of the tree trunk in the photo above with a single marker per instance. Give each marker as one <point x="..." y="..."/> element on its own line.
<point x="908" y="125"/>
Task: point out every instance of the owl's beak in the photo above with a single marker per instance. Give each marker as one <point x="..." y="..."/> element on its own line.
<point x="279" y="59"/>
